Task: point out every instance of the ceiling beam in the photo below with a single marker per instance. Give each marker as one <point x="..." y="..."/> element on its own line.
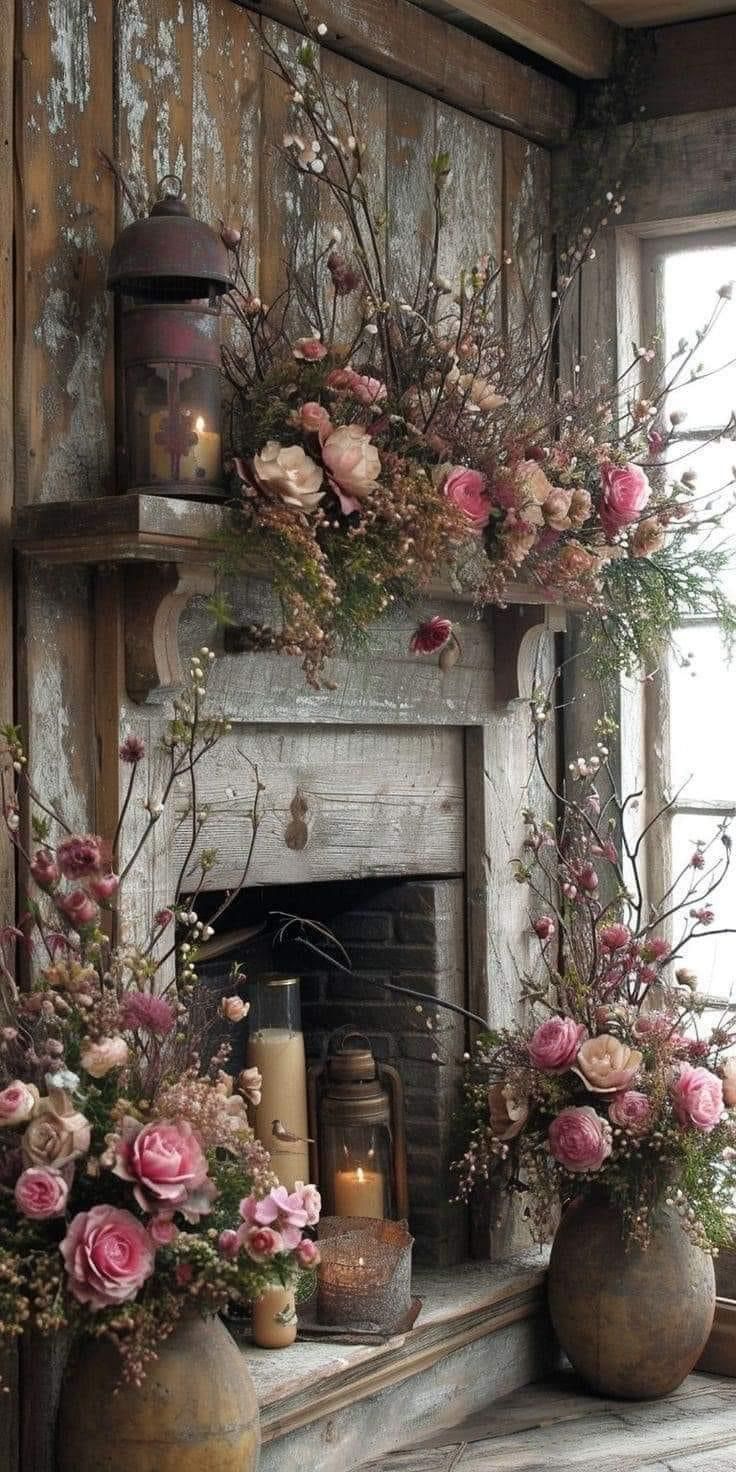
<point x="567" y="32"/>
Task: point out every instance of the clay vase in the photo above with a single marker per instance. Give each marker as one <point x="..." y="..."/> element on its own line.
<point x="195" y="1411"/>
<point x="274" y="1318"/>
<point x="632" y="1322"/>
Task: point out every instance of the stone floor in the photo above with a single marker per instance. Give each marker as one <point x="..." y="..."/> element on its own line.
<point x="556" y="1424"/>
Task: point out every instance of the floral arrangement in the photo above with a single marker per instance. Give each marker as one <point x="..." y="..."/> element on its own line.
<point x="381" y="443"/>
<point x="124" y="1157"/>
<point x="612" y="1083"/>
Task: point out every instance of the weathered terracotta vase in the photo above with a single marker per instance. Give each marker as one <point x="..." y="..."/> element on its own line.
<point x="195" y="1411"/>
<point x="633" y="1323"/>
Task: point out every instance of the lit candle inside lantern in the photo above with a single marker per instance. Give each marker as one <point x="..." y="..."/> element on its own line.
<point x="198" y="461"/>
<point x="359" y="1193"/>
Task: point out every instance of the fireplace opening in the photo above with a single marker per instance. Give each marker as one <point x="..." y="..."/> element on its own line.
<point x="409" y="932"/>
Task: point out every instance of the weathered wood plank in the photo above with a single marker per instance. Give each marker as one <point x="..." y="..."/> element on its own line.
<point x="567" y="32"/>
<point x="400" y="41"/>
<point x="670" y="89"/>
<point x="154" y="71"/>
<point x="226" y="158"/>
<point x="386" y="801"/>
<point x="7" y="189"/>
<point x="9" y="1406"/>
<point x="526" y="242"/>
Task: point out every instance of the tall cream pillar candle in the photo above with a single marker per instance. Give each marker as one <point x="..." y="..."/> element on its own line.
<point x="278" y="1054"/>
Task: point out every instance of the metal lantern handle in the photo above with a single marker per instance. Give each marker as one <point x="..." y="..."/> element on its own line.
<point x="353" y="1033"/>
<point x="170" y="194"/>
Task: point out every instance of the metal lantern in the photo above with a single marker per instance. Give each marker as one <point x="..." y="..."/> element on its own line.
<point x="357" y="1124"/>
<point x="171" y="272"/>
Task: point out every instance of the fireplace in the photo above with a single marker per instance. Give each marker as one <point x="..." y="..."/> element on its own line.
<point x="409" y="932"/>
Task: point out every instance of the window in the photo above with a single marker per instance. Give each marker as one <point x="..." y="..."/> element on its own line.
<point x="691" y="705"/>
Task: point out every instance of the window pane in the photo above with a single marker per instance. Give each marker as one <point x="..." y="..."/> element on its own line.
<point x="712" y="956"/>
<point x="714" y="493"/>
<point x="702" y="707"/>
<point x="691" y="282"/>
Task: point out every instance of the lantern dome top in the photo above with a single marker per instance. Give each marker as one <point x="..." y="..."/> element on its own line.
<point x="168" y="256"/>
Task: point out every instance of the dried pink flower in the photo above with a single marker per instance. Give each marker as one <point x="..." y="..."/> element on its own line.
<point x="139" y="1010"/>
<point x="132" y="749"/>
<point x="80" y="856"/>
<point x="431" y="635"/>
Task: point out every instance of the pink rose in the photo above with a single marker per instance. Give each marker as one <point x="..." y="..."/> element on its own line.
<point x="626" y="491"/>
<point x="311" y="1201"/>
<point x="261" y="1243"/>
<point x="166" y="1162"/>
<point x="108" y="1256"/>
<point x="614" y="937"/>
<point x="697" y="1098"/>
<point x="281" y="1209"/>
<point x="554" y="1045"/>
<point x="234" y="1009"/>
<point x="17" y="1103"/>
<point x="80" y="910"/>
<point x="632" y="1111"/>
<point x="41" y="1193"/>
<point x="580" y="1140"/>
<point x="309" y="349"/>
<point x="544" y="927"/>
<point x="44" y="869"/>
<point x="467" y="489"/>
<point x="105" y="887"/>
<point x="354" y="464"/>
<point x="314" y="419"/>
<point x="79" y="856"/>
<point x="308" y="1254"/>
<point x="431" y="635"/>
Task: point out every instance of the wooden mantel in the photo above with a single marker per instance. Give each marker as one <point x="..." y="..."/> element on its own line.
<point x="181" y="538"/>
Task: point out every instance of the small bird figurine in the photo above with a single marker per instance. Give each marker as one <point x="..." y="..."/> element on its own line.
<point x="280" y="1131"/>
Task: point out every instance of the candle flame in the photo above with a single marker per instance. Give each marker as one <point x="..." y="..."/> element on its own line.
<point x="360" y="1174"/>
<point x="199" y="425"/>
<point x="361" y="1263"/>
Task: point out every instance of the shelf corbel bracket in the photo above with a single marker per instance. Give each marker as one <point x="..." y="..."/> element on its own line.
<point x="156" y="594"/>
<point x="518" y="629"/>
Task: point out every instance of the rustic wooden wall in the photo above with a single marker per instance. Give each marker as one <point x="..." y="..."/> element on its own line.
<point x="180" y="85"/>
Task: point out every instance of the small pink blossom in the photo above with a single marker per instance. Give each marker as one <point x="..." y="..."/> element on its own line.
<point x="41" y="1193"/>
<point x="588" y="879"/>
<point x="80" y="910"/>
<point x="163" y="1230"/>
<point x="132" y="749"/>
<point x="103" y="1056"/>
<point x="163" y="918"/>
<point x="278" y="1209"/>
<point x="468" y="490"/>
<point x="655" y="442"/>
<point x="614" y="937"/>
<point x="18" y="1101"/>
<point x="544" y="927"/>
<point x="367" y="390"/>
<point x="554" y="1045"/>
<point x="80" y="856"/>
<point x="234" y="1009"/>
<point x="632" y="1111"/>
<point x="697" y="1098"/>
<point x="309" y="349"/>
<point x="626" y="491"/>
<point x="431" y="635"/>
<point x="580" y="1140"/>
<point x="308" y="1254"/>
<point x="44" y="869"/>
<point x="261" y="1243"/>
<point x="704" y="915"/>
<point x="105" y="887"/>
<point x="108" y="1256"/>
<point x="139" y="1010"/>
<point x="697" y="859"/>
<point x="228" y="1243"/>
<point x="183" y="1274"/>
<point x="314" y="419"/>
<point x="311" y="1201"/>
<point x="655" y="948"/>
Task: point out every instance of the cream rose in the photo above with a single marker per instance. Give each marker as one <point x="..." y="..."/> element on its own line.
<point x="288" y="471"/>
<point x="606" y="1065"/>
<point x="99" y="1059"/>
<point x="352" y="460"/>
<point x="59" y="1132"/>
<point x="556" y="510"/>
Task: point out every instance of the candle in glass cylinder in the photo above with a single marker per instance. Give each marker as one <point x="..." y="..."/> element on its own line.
<point x="278" y="1054"/>
<point x="200" y="454"/>
<point x="359" y="1192"/>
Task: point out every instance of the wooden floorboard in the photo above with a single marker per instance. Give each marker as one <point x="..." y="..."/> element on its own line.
<point x="556" y="1424"/>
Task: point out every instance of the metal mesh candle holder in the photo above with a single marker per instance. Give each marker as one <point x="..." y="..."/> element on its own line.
<point x="365" y="1273"/>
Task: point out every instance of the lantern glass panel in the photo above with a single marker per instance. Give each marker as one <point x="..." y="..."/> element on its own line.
<point x="174" y="425"/>
<point x="356" y="1175"/>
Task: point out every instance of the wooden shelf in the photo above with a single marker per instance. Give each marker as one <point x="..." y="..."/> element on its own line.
<point x="181" y="537"/>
